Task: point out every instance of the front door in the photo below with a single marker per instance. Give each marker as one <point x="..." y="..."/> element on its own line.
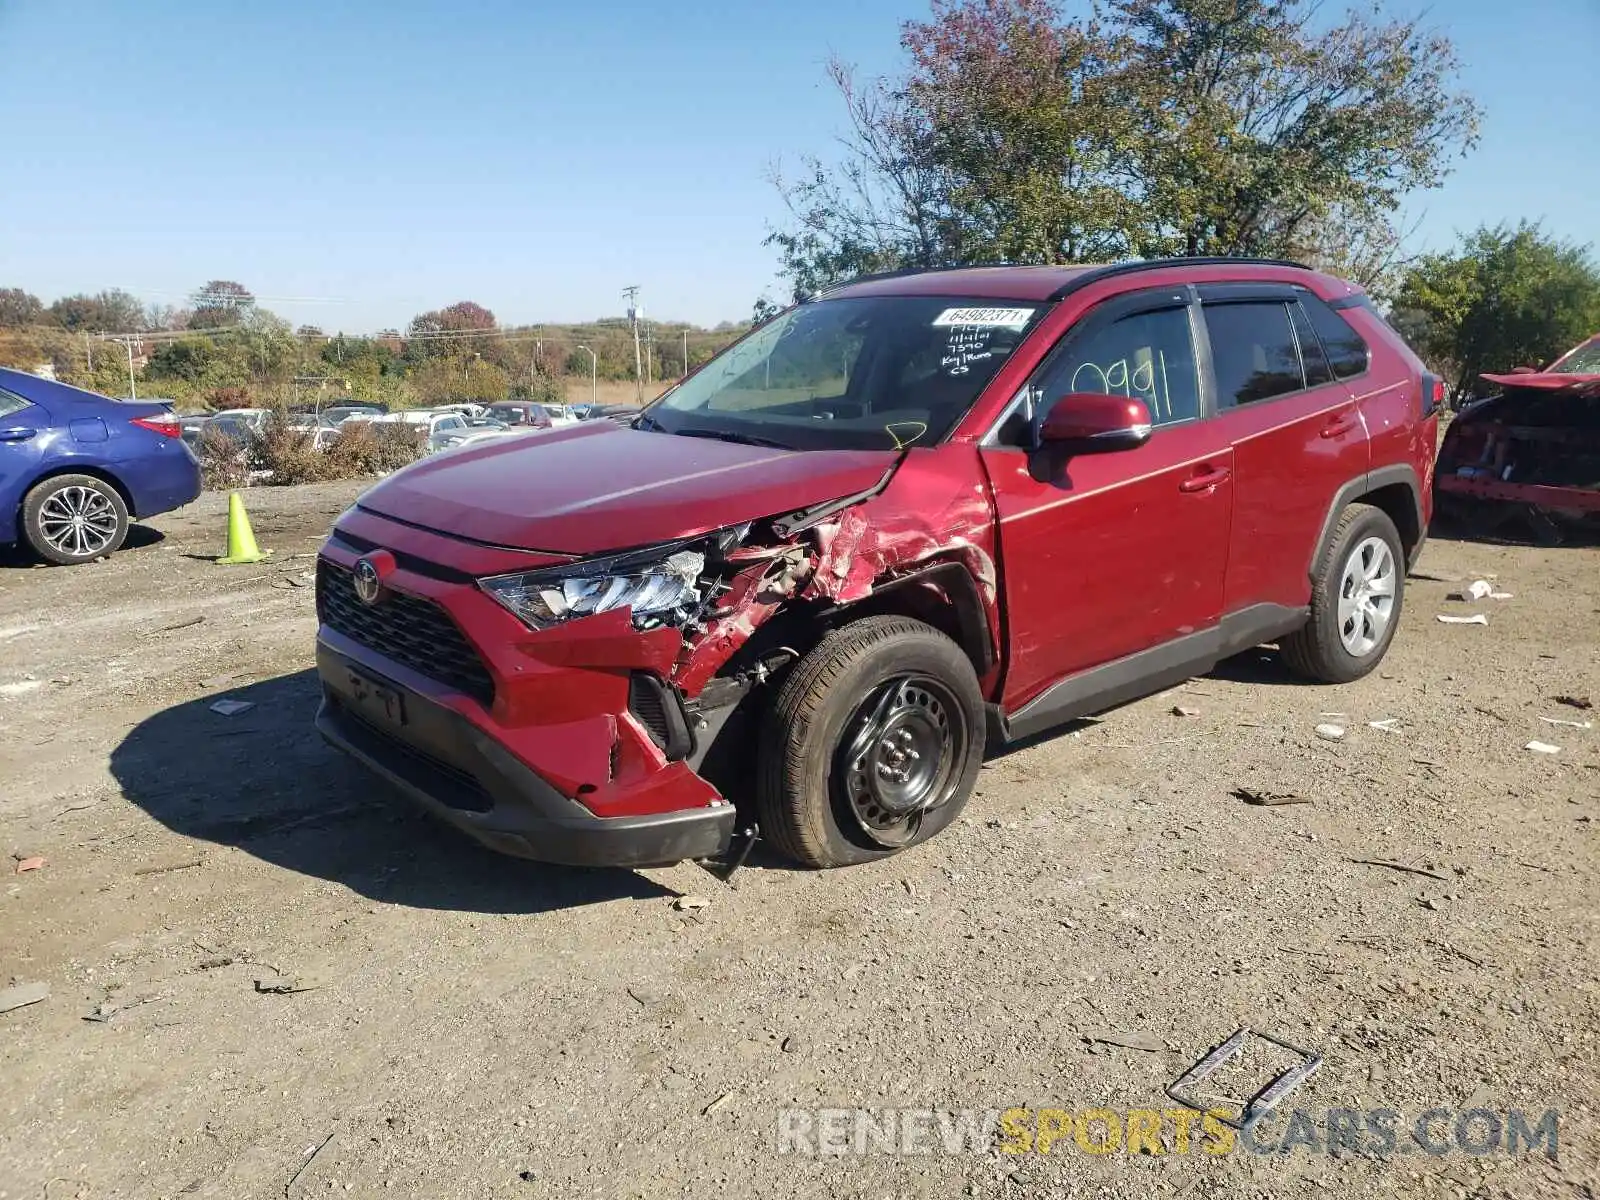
<point x="1105" y="555"/>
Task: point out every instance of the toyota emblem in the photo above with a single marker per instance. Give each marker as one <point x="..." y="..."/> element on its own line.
<point x="369" y="585"/>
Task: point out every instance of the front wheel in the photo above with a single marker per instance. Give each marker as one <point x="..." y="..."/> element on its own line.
<point x="873" y="744"/>
<point x="1356" y="596"/>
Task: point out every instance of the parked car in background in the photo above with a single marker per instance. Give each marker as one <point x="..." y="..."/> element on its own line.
<point x="189" y="428"/>
<point x="464" y="408"/>
<point x="561" y="414"/>
<point x="240" y="424"/>
<point x="77" y="467"/>
<point x="521" y="413"/>
<point x="918" y="515"/>
<point x="1531" y="453"/>
<point x="436" y="425"/>
<point x="342" y="412"/>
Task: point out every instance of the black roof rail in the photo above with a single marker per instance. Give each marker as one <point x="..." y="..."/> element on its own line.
<point x="904" y="271"/>
<point x="1095" y="274"/>
<point x="1090" y="274"/>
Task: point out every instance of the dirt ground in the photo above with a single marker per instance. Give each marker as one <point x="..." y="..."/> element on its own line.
<point x="480" y="1027"/>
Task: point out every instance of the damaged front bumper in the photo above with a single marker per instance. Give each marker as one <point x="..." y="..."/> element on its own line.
<point x="462" y="775"/>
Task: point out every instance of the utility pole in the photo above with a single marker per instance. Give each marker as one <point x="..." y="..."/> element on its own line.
<point x="133" y="389"/>
<point x="631" y="295"/>
<point x="88" y="350"/>
<point x="594" y="370"/>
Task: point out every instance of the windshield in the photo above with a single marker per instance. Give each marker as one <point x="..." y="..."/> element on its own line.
<point x="877" y="373"/>
<point x="1585" y="360"/>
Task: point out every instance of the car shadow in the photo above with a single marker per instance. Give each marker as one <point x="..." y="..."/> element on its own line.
<point x="262" y="780"/>
<point x="19" y="557"/>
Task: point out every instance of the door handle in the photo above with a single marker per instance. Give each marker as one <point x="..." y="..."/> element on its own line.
<point x="1206" y="478"/>
<point x="16" y="435"/>
<point x="1338" y="427"/>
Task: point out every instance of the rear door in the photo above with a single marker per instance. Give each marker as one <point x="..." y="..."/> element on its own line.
<point x="1106" y="555"/>
<point x="1296" y="433"/>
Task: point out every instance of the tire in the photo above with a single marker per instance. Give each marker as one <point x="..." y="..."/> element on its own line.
<point x="1350" y="627"/>
<point x="47" y="519"/>
<point x="872" y="745"/>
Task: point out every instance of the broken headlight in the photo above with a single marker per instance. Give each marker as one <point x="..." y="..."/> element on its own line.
<point x="666" y="591"/>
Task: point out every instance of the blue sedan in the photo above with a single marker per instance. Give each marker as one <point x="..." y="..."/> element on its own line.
<point x="76" y="467"/>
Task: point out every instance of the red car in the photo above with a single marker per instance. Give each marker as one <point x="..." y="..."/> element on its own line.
<point x="920" y="515"/>
<point x="1530" y="453"/>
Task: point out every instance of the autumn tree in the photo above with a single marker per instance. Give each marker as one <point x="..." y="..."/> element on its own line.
<point x="1504" y="297"/>
<point x="1158" y="127"/>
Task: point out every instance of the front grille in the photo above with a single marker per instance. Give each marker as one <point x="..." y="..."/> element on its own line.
<point x="413" y="632"/>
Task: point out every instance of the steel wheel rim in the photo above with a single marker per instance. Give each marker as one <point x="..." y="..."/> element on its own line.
<point x="78" y="521"/>
<point x="899" y="755"/>
<point x="1366" y="596"/>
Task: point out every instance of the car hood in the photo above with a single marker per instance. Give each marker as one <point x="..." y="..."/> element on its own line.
<point x="595" y="487"/>
<point x="1547" y="381"/>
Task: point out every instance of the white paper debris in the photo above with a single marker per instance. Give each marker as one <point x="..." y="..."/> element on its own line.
<point x="1568" y="724"/>
<point x="1474" y="619"/>
<point x="1476" y="590"/>
<point x="1500" y="595"/>
<point x="1330" y="733"/>
<point x="1542" y="748"/>
<point x="232" y="708"/>
<point x="1387" y="725"/>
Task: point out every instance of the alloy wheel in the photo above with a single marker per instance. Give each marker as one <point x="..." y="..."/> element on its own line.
<point x="1366" y="596"/>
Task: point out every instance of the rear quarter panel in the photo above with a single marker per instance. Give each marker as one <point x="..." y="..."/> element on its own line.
<point x="1391" y="403"/>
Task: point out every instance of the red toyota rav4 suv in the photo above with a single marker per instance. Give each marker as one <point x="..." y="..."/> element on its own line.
<point x="918" y="515"/>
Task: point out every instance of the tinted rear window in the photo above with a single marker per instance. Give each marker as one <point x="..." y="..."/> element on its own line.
<point x="1253" y="352"/>
<point x="1346" y="349"/>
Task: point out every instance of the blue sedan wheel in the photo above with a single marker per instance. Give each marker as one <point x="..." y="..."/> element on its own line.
<point x="74" y="519"/>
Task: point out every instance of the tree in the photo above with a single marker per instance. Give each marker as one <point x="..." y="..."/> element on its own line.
<point x="220" y="302"/>
<point x="1160" y="127"/>
<point x="112" y="311"/>
<point x="1504" y="297"/>
<point x="18" y="308"/>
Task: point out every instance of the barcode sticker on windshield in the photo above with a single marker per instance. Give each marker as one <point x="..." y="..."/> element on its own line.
<point x="991" y="318"/>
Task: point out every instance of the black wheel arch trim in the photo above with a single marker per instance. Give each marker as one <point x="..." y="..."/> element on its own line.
<point x="1350" y="493"/>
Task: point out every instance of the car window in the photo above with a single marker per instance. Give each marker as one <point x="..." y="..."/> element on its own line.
<point x="1318" y="372"/>
<point x="1346" y="349"/>
<point x="1253" y="352"/>
<point x="10" y="403"/>
<point x="1146" y="356"/>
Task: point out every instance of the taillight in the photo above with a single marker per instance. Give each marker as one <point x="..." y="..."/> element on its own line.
<point x="163" y="423"/>
<point x="1433" y="395"/>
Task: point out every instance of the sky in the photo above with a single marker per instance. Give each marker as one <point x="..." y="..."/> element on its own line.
<point x="355" y="162"/>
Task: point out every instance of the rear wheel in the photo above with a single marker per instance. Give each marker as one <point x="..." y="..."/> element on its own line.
<point x="873" y="744"/>
<point x="1356" y="598"/>
<point x="71" y="519"/>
